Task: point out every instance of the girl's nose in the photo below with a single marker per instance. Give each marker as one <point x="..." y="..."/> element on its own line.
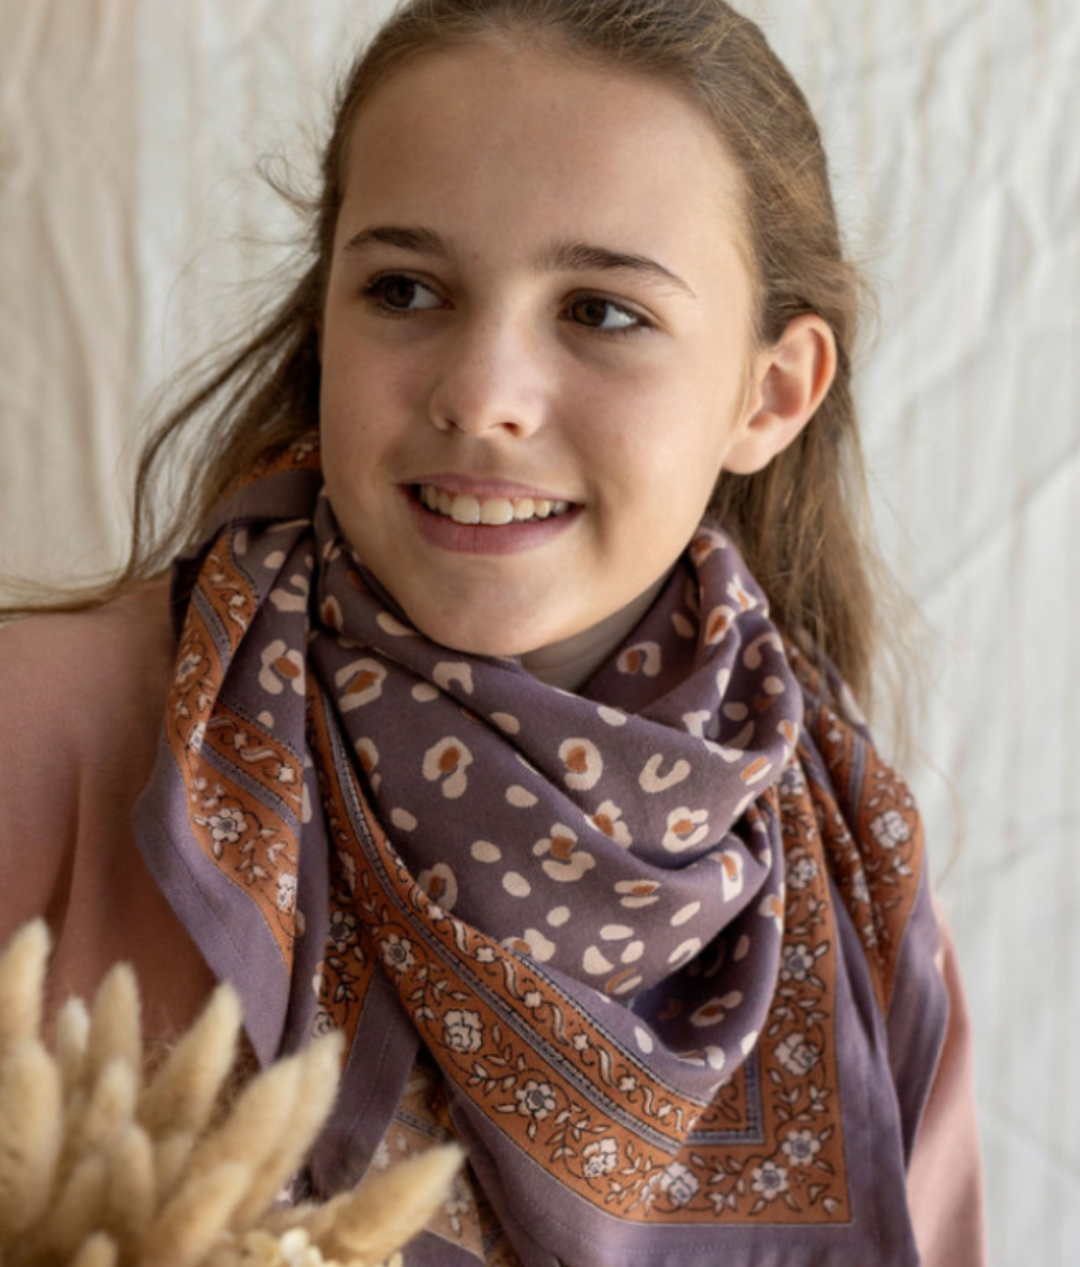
<point x="488" y="380"/>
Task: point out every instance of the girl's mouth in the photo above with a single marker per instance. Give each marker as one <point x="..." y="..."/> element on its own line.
<point x="465" y="524"/>
<point x="463" y="508"/>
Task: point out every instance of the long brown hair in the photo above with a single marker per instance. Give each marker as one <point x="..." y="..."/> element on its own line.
<point x="802" y="523"/>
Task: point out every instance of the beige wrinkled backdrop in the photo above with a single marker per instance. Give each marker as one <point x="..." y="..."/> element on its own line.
<point x="130" y="221"/>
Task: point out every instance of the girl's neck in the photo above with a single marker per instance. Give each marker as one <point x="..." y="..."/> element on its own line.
<point x="570" y="663"/>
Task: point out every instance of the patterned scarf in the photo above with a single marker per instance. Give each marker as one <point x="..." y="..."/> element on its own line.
<point x="659" y="953"/>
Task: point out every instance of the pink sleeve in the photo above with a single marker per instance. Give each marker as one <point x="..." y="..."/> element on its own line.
<point x="945" y="1177"/>
<point x="81" y="702"/>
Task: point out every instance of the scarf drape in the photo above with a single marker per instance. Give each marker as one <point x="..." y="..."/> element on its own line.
<point x="658" y="952"/>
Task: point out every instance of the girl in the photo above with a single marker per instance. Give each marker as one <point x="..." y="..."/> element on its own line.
<point x="498" y="705"/>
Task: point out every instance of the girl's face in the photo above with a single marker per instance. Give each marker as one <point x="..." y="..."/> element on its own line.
<point x="536" y="300"/>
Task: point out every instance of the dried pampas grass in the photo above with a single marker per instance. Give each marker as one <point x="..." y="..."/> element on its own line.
<point x="101" y="1168"/>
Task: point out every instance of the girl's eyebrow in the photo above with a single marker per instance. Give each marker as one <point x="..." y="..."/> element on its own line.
<point x="558" y="257"/>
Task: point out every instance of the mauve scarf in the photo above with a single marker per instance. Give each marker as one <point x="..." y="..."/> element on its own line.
<point x="658" y="953"/>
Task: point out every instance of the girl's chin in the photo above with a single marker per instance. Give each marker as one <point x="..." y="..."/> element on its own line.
<point x="478" y="642"/>
<point x="485" y="619"/>
<point x="490" y="623"/>
<point x="492" y="632"/>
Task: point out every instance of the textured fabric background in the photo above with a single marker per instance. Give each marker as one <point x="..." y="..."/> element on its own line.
<point x="133" y="229"/>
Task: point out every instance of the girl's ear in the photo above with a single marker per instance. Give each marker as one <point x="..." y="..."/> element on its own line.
<point x="790" y="382"/>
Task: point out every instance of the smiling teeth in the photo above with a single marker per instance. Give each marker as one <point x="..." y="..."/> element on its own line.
<point x="465" y="509"/>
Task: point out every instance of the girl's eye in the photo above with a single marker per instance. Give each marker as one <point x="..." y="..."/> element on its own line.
<point x="393" y="293"/>
<point x="593" y="307"/>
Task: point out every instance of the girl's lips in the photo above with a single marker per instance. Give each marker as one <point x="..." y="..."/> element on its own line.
<point x="509" y="538"/>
